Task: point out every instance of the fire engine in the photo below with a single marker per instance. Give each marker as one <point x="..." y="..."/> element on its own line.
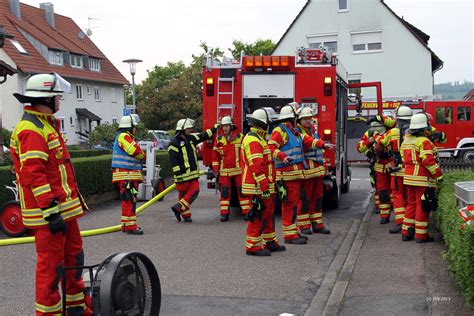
<point x="453" y="117"/>
<point x="314" y="77"/>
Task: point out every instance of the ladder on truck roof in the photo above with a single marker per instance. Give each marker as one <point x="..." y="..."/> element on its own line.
<point x="225" y="106"/>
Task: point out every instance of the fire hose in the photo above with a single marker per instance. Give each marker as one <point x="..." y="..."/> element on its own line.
<point x="96" y="231"/>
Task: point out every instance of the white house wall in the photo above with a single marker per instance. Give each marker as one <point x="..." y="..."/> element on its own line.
<point x="403" y="66"/>
<point x="10" y="108"/>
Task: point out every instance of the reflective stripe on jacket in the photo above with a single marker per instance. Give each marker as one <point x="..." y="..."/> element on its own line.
<point x="314" y="156"/>
<point x="126" y="159"/>
<point x="226" y="154"/>
<point x="44" y="171"/>
<point x="293" y="148"/>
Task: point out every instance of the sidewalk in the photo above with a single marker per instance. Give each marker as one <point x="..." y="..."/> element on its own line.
<point x="381" y="275"/>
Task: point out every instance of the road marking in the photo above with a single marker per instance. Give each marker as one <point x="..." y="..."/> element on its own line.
<point x="359" y="179"/>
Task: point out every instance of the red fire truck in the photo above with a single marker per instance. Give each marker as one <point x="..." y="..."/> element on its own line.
<point x="453" y="117"/>
<point x="313" y="78"/>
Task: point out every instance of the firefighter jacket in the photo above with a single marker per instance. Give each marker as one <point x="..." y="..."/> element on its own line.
<point x="421" y="166"/>
<point x="226" y="154"/>
<point x="392" y="140"/>
<point x="314" y="156"/>
<point x="381" y="163"/>
<point x="257" y="163"/>
<point x="285" y="141"/>
<point x="44" y="171"/>
<point x="183" y="154"/>
<point x="126" y="159"/>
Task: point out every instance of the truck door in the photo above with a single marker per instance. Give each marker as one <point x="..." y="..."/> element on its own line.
<point x="443" y="115"/>
<point x="464" y="124"/>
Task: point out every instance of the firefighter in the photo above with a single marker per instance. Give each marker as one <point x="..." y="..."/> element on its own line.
<point x="226" y="166"/>
<point x="378" y="126"/>
<point x="258" y="183"/>
<point x="127" y="160"/>
<point x="422" y="173"/>
<point x="287" y="146"/>
<point x="184" y="163"/>
<point x="310" y="213"/>
<point x="392" y="141"/>
<point x="50" y="199"/>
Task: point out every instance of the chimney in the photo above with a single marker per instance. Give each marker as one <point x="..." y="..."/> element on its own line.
<point x="15" y="8"/>
<point x="48" y="8"/>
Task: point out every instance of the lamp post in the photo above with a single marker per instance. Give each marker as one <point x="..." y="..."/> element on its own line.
<point x="133" y="68"/>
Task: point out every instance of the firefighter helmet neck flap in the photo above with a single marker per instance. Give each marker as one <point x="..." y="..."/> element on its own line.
<point x="259" y="119"/>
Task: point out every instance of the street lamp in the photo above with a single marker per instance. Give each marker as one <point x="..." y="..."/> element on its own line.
<point x="133" y="69"/>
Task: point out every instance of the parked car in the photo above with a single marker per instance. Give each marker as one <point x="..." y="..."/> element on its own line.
<point x="157" y="138"/>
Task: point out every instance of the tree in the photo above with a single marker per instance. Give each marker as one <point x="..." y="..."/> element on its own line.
<point x="104" y="135"/>
<point x="261" y="46"/>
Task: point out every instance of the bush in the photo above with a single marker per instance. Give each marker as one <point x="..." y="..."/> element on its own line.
<point x="460" y="242"/>
<point x="89" y="153"/>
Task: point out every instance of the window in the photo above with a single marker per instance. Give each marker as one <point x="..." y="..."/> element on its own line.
<point x="94" y="64"/>
<point x="97" y="93"/>
<point x="56" y="57"/>
<point x="71" y="121"/>
<point x="343" y="6"/>
<point x="79" y="92"/>
<point x="62" y="128"/>
<point x="327" y="40"/>
<point x="356" y="91"/>
<point x="76" y="61"/>
<point x="18" y="46"/>
<point x="88" y="90"/>
<point x="114" y="120"/>
<point x="444" y="115"/>
<point x="365" y="42"/>
<point x="114" y="95"/>
<point x="464" y="113"/>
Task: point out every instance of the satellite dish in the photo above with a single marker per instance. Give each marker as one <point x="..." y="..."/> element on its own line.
<point x="81" y="34"/>
<point x="89" y="32"/>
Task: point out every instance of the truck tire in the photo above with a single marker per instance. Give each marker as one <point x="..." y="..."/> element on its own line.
<point x="346" y="186"/>
<point x="468" y="156"/>
<point x="11" y="222"/>
<point x="333" y="200"/>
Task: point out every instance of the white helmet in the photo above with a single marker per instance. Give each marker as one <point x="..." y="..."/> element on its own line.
<point x="287" y="112"/>
<point x="378" y="127"/>
<point x="419" y="121"/>
<point x="129" y="121"/>
<point x="184" y="124"/>
<point x="261" y="115"/>
<point x="227" y="120"/>
<point x="305" y="112"/>
<point x="43" y="86"/>
<point x="404" y="113"/>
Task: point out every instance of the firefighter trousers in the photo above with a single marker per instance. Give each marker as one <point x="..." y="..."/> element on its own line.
<point x="289" y="209"/>
<point x="414" y="214"/>
<point x="399" y="194"/>
<point x="129" y="204"/>
<point x="188" y="191"/>
<point x="310" y="208"/>
<point x="54" y="253"/>
<point x="382" y="190"/>
<point x="226" y="193"/>
<point x="261" y="230"/>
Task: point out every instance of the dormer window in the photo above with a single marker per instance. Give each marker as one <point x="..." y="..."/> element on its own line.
<point x="55" y="57"/>
<point x="94" y="64"/>
<point x="19" y="47"/>
<point x="76" y="61"/>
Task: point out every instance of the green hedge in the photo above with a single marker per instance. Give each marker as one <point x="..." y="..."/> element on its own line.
<point x="89" y="153"/>
<point x="93" y="174"/>
<point x="460" y="242"/>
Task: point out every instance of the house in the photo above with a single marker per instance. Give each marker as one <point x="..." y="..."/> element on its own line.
<point x="469" y="96"/>
<point x="45" y="42"/>
<point x="372" y="42"/>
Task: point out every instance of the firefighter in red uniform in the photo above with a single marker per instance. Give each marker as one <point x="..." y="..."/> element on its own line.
<point x="379" y="125"/>
<point x="310" y="213"/>
<point x="422" y="173"/>
<point x="49" y="197"/>
<point x="184" y="163"/>
<point x="392" y="141"/>
<point x="259" y="183"/>
<point x="287" y="146"/>
<point x="127" y="160"/>
<point x="226" y="166"/>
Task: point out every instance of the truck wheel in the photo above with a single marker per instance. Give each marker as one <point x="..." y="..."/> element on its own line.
<point x="346" y="186"/>
<point x="334" y="198"/>
<point x="11" y="222"/>
<point x="468" y="156"/>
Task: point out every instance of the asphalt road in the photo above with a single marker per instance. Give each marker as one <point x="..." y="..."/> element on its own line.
<point x="202" y="266"/>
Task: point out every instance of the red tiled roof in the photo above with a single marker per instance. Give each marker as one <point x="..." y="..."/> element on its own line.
<point x="64" y="37"/>
<point x="469" y="96"/>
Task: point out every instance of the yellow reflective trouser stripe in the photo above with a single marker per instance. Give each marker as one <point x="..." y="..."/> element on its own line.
<point x="41" y="189"/>
<point x="48" y="309"/>
<point x="33" y="154"/>
<point x="421" y="231"/>
<point x="255" y="239"/>
<point x="62" y="171"/>
<point x="74" y="297"/>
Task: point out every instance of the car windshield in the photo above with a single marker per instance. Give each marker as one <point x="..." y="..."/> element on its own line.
<point x="150" y="137"/>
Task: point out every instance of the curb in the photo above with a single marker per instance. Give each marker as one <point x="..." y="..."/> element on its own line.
<point x="331" y="292"/>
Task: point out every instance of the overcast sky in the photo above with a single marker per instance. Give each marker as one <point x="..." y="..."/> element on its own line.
<point x="170" y="30"/>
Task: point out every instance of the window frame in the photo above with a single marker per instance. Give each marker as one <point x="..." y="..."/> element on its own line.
<point x="366" y="43"/>
<point x="445" y="121"/>
<point x="18" y="46"/>
<point x="75" y="57"/>
<point x="79" y="88"/>
<point x="322" y="39"/>
<point x="339" y="10"/>
<point x="97" y="95"/>
<point x="62" y="124"/>
<point x="114" y="95"/>
<point x="55" y="54"/>
<point x="468" y="112"/>
<point x="93" y="62"/>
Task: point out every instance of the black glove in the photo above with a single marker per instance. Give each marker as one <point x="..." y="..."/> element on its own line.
<point x="56" y="224"/>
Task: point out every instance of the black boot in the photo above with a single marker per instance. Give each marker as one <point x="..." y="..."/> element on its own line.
<point x="188" y="219"/>
<point x="297" y="241"/>
<point x="410" y="235"/>
<point x="306" y="231"/>
<point x="323" y="230"/>
<point x="422" y="241"/>
<point x="376" y="210"/>
<point x="175" y="209"/>
<point x="385" y="220"/>
<point x="137" y="231"/>
<point x="224" y="217"/>
<point x="274" y="246"/>
<point x="397" y="229"/>
<point x="259" y="253"/>
<point x="75" y="311"/>
<point x="303" y="237"/>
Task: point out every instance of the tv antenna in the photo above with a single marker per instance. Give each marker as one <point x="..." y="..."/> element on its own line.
<point x="89" y="28"/>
